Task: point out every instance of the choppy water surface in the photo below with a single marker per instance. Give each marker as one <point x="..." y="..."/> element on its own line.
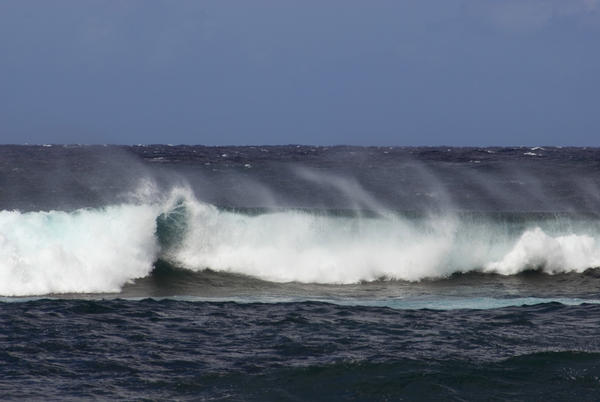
<point x="299" y="272"/>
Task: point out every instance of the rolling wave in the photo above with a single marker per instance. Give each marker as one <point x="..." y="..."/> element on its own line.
<point x="100" y="250"/>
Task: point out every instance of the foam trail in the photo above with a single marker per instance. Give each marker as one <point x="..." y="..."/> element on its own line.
<point x="82" y="251"/>
<point x="409" y="303"/>
<point x="431" y="303"/>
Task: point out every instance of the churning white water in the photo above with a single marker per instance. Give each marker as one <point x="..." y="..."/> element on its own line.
<point x="303" y="247"/>
<point x="81" y="251"/>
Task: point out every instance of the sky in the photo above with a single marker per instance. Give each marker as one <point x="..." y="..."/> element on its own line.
<point x="240" y="72"/>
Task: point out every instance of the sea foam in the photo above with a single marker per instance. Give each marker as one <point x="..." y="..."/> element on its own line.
<point x="81" y="251"/>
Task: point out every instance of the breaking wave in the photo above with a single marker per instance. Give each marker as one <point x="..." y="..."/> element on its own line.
<point x="100" y="250"/>
<point x="83" y="251"/>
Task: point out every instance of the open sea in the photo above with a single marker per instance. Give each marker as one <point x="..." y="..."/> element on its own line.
<point x="295" y="272"/>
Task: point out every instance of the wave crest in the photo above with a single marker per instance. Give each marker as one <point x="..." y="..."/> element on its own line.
<point x="100" y="250"/>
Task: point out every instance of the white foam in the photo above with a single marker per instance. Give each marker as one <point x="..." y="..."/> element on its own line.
<point x="536" y="249"/>
<point x="81" y="251"/>
<point x="297" y="246"/>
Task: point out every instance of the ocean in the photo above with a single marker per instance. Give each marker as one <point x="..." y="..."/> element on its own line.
<point x="299" y="273"/>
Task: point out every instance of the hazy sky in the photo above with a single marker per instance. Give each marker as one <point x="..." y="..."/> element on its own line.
<point x="398" y="72"/>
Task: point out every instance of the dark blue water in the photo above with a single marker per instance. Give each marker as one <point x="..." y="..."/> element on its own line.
<point x="166" y="349"/>
<point x="52" y="349"/>
<point x="299" y="273"/>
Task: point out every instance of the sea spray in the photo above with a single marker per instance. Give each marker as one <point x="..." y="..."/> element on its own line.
<point x="300" y="246"/>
